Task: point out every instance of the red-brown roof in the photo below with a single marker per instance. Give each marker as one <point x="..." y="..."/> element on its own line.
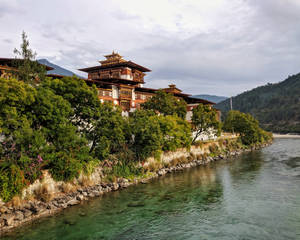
<point x="114" y="81"/>
<point x="122" y="64"/>
<point x="191" y="100"/>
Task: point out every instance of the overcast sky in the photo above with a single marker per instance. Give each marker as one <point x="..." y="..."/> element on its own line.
<point x="220" y="47"/>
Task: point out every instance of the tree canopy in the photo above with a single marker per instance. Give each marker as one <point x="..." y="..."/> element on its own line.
<point x="247" y="126"/>
<point x="27" y="68"/>
<point x="204" y="121"/>
<point x="166" y="104"/>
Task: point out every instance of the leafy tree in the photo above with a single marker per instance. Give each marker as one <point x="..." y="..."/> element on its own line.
<point x="166" y="104"/>
<point x="49" y="111"/>
<point x="37" y="133"/>
<point x="144" y="136"/>
<point x="83" y="99"/>
<point x="15" y="98"/>
<point x="247" y="126"/>
<point x="27" y="68"/>
<point x="101" y="124"/>
<point x="204" y="121"/>
<point x="69" y="154"/>
<point x="21" y="145"/>
<point x="107" y="134"/>
<point x="176" y="133"/>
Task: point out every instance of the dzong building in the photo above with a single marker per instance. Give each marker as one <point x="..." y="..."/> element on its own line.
<point x="121" y="82"/>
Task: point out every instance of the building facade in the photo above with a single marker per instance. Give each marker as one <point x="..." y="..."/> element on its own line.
<point x="121" y="82"/>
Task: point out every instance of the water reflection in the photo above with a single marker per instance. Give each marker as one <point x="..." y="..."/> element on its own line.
<point x="293" y="162"/>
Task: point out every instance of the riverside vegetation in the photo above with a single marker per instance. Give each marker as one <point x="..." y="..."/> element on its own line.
<point x="276" y="106"/>
<point x="60" y="125"/>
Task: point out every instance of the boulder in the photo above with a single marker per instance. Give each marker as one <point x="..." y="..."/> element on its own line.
<point x="18" y="215"/>
<point x="85" y="194"/>
<point x="92" y="195"/>
<point x="161" y="172"/>
<point x="8" y="219"/>
<point x="73" y="202"/>
<point x="115" y="186"/>
<point x="27" y="213"/>
<point x="80" y="197"/>
<point x="4" y="209"/>
<point x="36" y="209"/>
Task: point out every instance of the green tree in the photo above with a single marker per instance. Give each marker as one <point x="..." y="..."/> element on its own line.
<point x="204" y="121"/>
<point x="144" y="135"/>
<point x="49" y="111"/>
<point x="37" y="132"/>
<point x="247" y="126"/>
<point x="69" y="154"/>
<point x="83" y="99"/>
<point x="166" y="104"/>
<point x="15" y="97"/>
<point x="107" y="134"/>
<point x="101" y="124"/>
<point x="176" y="133"/>
<point x="27" y="68"/>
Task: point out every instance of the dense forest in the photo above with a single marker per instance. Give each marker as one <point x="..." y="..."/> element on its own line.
<point x="276" y="106"/>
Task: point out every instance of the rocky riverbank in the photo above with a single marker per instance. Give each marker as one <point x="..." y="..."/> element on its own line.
<point x="14" y="215"/>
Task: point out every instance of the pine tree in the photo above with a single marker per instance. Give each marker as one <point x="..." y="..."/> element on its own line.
<point x="27" y="68"/>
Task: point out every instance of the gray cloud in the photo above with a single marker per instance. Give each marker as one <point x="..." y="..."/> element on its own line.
<point x="217" y="51"/>
<point x="7" y="40"/>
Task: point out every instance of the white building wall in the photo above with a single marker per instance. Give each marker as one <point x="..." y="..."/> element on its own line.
<point x="115" y="92"/>
<point x="189" y="115"/>
<point x="206" y="136"/>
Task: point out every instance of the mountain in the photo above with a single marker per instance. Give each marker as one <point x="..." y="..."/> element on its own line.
<point x="211" y="98"/>
<point x="57" y="69"/>
<point x="276" y="106"/>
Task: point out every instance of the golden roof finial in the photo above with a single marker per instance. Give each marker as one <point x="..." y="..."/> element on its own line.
<point x="113" y="58"/>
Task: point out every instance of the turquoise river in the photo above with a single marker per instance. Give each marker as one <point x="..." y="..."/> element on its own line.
<point x="253" y="196"/>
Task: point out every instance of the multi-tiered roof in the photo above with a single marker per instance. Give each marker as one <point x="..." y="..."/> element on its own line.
<point x="116" y="69"/>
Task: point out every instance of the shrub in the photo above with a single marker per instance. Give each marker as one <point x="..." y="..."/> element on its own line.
<point x="64" y="167"/>
<point x="154" y="166"/>
<point x="213" y="148"/>
<point x="126" y="166"/>
<point x="12" y="181"/>
<point x="43" y="193"/>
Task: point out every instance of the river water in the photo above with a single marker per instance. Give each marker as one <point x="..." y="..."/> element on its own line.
<point x="253" y="196"/>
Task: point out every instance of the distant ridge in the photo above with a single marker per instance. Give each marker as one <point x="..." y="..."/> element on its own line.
<point x="276" y="106"/>
<point x="57" y="69"/>
<point x="211" y="98"/>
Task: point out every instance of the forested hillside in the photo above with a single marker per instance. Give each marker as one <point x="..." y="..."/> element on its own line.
<point x="276" y="106"/>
